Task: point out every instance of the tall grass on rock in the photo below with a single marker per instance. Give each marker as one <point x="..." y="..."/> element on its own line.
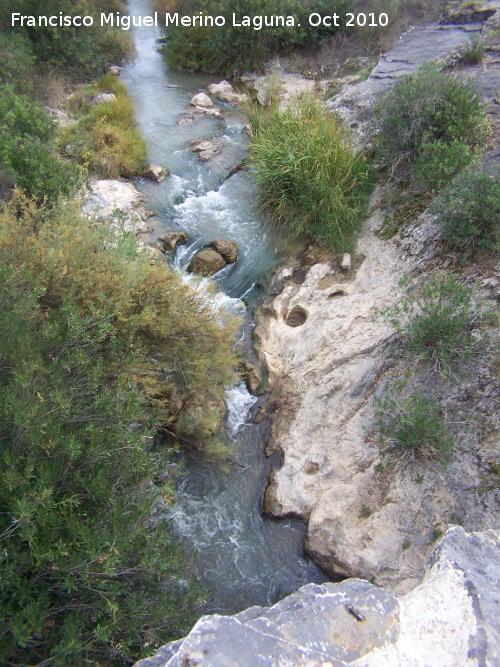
<point x="310" y="180"/>
<point x="105" y="139"/>
<point x="431" y="127"/>
<point x="436" y="321"/>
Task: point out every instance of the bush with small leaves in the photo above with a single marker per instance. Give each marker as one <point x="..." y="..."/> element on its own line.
<point x="436" y="321"/>
<point x="469" y="210"/>
<point x="431" y="126"/>
<point x="415" y="426"/>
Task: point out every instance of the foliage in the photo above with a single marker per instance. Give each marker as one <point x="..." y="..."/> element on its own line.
<point x="473" y="53"/>
<point x="469" y="210"/>
<point x="106" y="139"/>
<point x="187" y="340"/>
<point x="80" y="52"/>
<point x="17" y="63"/>
<point x="87" y="325"/>
<point x="413" y="423"/>
<point x="431" y="126"/>
<point x="310" y="179"/>
<point x="230" y="50"/>
<point x="27" y="149"/>
<point x="436" y="321"/>
<point x="74" y="583"/>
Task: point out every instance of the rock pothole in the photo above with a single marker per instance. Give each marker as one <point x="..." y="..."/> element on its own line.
<point x="296" y="317"/>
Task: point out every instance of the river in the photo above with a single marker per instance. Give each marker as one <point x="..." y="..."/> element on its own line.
<point x="242" y="557"/>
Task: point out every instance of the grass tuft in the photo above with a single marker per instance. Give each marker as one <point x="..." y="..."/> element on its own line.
<point x="309" y="178"/>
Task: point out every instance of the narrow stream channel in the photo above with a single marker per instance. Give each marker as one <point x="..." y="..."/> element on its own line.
<point x="242" y="557"/>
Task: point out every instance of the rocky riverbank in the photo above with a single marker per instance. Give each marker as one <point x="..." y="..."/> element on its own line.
<point x="325" y="368"/>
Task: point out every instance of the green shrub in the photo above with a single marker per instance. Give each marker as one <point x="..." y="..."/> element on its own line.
<point x="188" y="360"/>
<point x="79" y="52"/>
<point x="469" y="210"/>
<point x="230" y="50"/>
<point x="415" y="426"/>
<point x="436" y="321"/>
<point x="431" y="126"/>
<point x="309" y="178"/>
<point x="17" y="63"/>
<point x="473" y="53"/>
<point x="82" y="574"/>
<point x="27" y="150"/>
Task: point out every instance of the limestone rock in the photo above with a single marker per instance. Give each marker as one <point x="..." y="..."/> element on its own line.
<point x="207" y="148"/>
<point x="324" y="350"/>
<point x="202" y="100"/>
<point x="115" y="70"/>
<point x="155" y="172"/>
<point x="102" y="98"/>
<point x="225" y="92"/>
<point x="206" y="263"/>
<point x="253" y="378"/>
<point x="61" y="118"/>
<point x="228" y="249"/>
<point x="213" y="113"/>
<point x="170" y="240"/>
<point x="117" y="202"/>
<point x="464" y="11"/>
<point x="451" y="619"/>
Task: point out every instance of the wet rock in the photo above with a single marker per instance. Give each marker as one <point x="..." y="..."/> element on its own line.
<point x="225" y="92"/>
<point x="202" y="100"/>
<point x="102" y="98"/>
<point x="155" y="172"/>
<point x="228" y="249"/>
<point x="169" y="241"/>
<point x="253" y="378"/>
<point x="207" y="148"/>
<point x="117" y="202"/>
<point x="206" y="263"/>
<point x="213" y="113"/>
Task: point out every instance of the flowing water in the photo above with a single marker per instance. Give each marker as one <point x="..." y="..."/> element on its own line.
<point x="242" y="557"/>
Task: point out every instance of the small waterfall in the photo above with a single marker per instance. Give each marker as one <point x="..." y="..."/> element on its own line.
<point x="239" y="402"/>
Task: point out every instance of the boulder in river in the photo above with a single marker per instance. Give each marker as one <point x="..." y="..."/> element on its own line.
<point x="155" y="172"/>
<point x="206" y="148"/>
<point x="170" y="240"/>
<point x="207" y="262"/>
<point x="228" y="249"/>
<point x="202" y="100"/>
<point x="225" y="92"/>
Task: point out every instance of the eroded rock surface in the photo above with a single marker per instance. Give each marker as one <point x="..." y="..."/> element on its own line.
<point x="325" y="349"/>
<point x="451" y="619"/>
